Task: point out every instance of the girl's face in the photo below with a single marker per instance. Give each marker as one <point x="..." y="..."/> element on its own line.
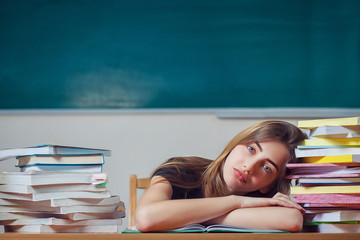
<point x="254" y="166"/>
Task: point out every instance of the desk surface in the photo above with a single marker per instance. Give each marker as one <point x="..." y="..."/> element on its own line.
<point x="183" y="236"/>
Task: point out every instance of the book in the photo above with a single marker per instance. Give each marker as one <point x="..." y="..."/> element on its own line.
<point x="62" y="202"/>
<point x="44" y="178"/>
<point x="62" y="229"/>
<point x="71" y="212"/>
<point x="67" y="159"/>
<point x="318" y="152"/>
<point x="349" y="121"/>
<point x="332" y="198"/>
<point x="328" y="180"/>
<point x="55" y="195"/>
<point x="332" y="216"/>
<point x="309" y="166"/>
<point x="353" y="142"/>
<point x="199" y="228"/>
<point x="326" y="189"/>
<point x="76" y="216"/>
<point x="5" y="216"/>
<point x="351" y="206"/>
<point x="59" y="221"/>
<point x="62" y="209"/>
<point x="115" y="199"/>
<point x="74" y="168"/>
<point x="336" y="174"/>
<point x="49" y="149"/>
<point x="120" y="213"/>
<point x="332" y="227"/>
<point x="321" y="170"/>
<point x="333" y="159"/>
<point x="335" y="132"/>
<point x="23" y="188"/>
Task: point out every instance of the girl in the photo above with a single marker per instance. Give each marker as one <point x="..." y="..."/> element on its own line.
<point x="245" y="186"/>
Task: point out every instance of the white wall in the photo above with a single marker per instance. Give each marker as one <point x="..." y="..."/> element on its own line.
<point x="139" y="142"/>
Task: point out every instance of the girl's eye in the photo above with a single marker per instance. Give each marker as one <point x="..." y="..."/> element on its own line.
<point x="251" y="149"/>
<point x="267" y="169"/>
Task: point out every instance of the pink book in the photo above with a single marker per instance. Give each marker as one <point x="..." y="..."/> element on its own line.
<point x="333" y="198"/>
<point x="324" y="175"/>
<point x="322" y="170"/>
<point x="341" y="165"/>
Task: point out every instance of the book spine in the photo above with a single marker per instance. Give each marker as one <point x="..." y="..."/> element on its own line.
<point x="327" y="198"/>
<point x="332" y="141"/>
<point x="326" y="189"/>
<point x="309" y="124"/>
<point x="332" y="159"/>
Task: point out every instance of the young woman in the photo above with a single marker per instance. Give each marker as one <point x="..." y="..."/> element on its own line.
<point x="245" y="186"/>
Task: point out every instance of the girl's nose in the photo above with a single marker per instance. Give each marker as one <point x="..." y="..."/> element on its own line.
<point x="249" y="168"/>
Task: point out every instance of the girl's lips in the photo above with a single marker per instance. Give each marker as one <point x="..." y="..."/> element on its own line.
<point x="240" y="175"/>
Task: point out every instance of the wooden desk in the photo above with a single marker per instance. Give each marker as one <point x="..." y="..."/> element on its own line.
<point x="184" y="236"/>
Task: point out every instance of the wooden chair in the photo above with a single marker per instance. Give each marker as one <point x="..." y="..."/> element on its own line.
<point x="135" y="183"/>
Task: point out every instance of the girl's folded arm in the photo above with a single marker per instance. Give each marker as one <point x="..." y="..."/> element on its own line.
<point x="274" y="218"/>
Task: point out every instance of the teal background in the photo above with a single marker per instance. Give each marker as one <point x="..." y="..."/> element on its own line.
<point x="179" y="54"/>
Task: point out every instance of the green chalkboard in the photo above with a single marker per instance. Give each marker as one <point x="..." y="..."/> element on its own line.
<point x="74" y="54"/>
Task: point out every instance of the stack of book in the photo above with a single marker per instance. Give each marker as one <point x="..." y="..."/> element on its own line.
<point x="326" y="179"/>
<point x="58" y="189"/>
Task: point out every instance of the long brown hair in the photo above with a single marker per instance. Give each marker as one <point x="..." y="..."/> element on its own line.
<point x="212" y="180"/>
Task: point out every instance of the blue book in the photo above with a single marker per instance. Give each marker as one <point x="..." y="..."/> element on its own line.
<point x="50" y="149"/>
<point x="74" y="168"/>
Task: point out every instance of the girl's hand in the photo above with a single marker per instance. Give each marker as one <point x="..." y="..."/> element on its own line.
<point x="288" y="202"/>
<point x="278" y="199"/>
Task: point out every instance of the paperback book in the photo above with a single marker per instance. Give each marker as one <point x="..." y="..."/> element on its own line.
<point x="55" y="195"/>
<point x="71" y="187"/>
<point x="335" y="132"/>
<point x="62" y="202"/>
<point x="320" y="152"/>
<point x="349" y="121"/>
<point x="41" y="228"/>
<point x="45" y="178"/>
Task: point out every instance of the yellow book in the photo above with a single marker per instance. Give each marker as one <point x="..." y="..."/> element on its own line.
<point x="350" y="121"/>
<point x="331" y="142"/>
<point x="351" y="189"/>
<point x="332" y="159"/>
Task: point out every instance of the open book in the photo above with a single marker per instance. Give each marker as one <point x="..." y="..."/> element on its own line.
<point x="198" y="228"/>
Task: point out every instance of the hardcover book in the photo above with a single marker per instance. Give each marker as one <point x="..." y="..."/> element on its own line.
<point x="50" y="149"/>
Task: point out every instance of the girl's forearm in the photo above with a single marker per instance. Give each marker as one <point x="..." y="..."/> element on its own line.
<point x="171" y="214"/>
<point x="279" y="218"/>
